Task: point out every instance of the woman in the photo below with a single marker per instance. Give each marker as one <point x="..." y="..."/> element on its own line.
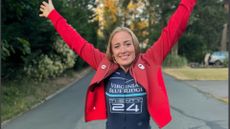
<point x="128" y="86"/>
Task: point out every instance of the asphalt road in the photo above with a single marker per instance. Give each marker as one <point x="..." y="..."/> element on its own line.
<point x="190" y="110"/>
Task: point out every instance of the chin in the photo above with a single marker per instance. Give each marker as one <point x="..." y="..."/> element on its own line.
<point x="125" y="64"/>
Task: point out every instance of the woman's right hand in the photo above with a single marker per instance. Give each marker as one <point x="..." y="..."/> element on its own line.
<point x="46" y="8"/>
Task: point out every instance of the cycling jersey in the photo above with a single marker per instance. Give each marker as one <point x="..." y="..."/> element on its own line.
<point x="126" y="102"/>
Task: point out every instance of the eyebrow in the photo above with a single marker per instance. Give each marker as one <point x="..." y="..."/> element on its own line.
<point x="115" y="44"/>
<point x="124" y="41"/>
<point x="127" y="41"/>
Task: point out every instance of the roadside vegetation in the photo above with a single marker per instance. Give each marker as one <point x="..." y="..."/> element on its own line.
<point x="22" y="95"/>
<point x="188" y="73"/>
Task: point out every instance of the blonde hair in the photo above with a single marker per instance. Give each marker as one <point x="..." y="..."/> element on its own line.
<point x="119" y="29"/>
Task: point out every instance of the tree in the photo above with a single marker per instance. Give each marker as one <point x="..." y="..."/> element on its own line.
<point x="204" y="30"/>
<point x="24" y="32"/>
<point x="128" y="13"/>
<point x="26" y="36"/>
<point x="80" y="14"/>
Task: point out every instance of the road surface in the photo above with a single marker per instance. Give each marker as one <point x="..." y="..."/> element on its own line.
<point x="190" y="110"/>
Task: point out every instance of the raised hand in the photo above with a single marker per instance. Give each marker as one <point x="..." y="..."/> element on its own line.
<point x="46" y="8"/>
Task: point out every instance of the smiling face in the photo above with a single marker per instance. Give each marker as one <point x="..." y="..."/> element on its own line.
<point x="123" y="50"/>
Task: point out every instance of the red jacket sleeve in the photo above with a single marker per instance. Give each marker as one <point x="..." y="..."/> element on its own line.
<point x="171" y="33"/>
<point x="84" y="49"/>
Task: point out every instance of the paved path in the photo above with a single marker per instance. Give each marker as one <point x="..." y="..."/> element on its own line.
<point x="217" y="89"/>
<point x="190" y="110"/>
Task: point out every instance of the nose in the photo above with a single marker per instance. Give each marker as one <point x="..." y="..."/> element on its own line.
<point x="123" y="49"/>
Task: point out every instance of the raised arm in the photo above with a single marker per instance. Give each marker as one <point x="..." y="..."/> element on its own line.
<point x="171" y="33"/>
<point x="74" y="40"/>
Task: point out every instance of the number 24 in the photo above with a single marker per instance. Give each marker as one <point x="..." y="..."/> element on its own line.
<point x="120" y="107"/>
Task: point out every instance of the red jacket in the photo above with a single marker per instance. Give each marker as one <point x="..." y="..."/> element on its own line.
<point x="146" y="69"/>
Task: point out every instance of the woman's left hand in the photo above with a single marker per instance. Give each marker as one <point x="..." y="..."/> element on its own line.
<point x="46" y="8"/>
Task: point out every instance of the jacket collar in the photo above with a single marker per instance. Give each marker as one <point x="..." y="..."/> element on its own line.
<point x="107" y="67"/>
<point x="104" y="69"/>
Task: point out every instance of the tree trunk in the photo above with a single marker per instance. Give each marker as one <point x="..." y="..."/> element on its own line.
<point x="174" y="50"/>
<point x="223" y="43"/>
<point x="227" y="5"/>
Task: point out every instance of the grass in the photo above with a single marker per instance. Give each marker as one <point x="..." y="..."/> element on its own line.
<point x="21" y="95"/>
<point x="188" y="73"/>
<point x="225" y="100"/>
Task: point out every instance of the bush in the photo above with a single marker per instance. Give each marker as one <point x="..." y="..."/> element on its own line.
<point x="51" y="65"/>
<point x="225" y="63"/>
<point x="175" y="61"/>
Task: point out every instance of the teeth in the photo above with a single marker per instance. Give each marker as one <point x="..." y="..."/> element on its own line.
<point x="124" y="57"/>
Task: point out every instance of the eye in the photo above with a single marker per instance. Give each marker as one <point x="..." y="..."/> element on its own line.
<point x="128" y="44"/>
<point x="116" y="46"/>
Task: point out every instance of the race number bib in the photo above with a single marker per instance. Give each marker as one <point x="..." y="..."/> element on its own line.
<point x="127" y="105"/>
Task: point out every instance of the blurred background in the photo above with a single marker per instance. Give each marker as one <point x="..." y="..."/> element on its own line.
<point x="34" y="56"/>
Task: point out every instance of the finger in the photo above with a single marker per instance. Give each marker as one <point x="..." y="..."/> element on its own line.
<point x="42" y="9"/>
<point x="41" y="15"/>
<point x="50" y="2"/>
<point x="44" y="3"/>
<point x="42" y="6"/>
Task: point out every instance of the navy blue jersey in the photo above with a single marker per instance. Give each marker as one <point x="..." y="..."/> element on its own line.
<point x="126" y="102"/>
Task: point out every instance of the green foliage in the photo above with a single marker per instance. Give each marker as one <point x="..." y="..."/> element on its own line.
<point x="7" y="49"/>
<point x="51" y="65"/>
<point x="27" y="37"/>
<point x="191" y="46"/>
<point x="204" y="30"/>
<point x="203" y="33"/>
<point x="175" y="61"/>
<point x="13" y="92"/>
<point x="25" y="33"/>
<point x="79" y="13"/>
<point x="226" y="63"/>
